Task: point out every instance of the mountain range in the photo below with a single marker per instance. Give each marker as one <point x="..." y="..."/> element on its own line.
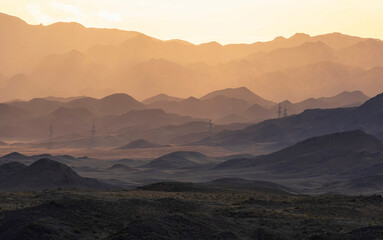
<point x="99" y="62"/>
<point x="313" y="122"/>
<point x="119" y="118"/>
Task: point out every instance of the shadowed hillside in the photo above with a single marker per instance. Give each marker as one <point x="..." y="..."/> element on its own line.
<point x="46" y="174"/>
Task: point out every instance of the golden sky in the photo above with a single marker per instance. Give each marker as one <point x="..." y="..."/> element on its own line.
<point x="225" y="21"/>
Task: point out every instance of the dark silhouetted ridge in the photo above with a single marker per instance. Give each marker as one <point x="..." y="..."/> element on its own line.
<point x="48" y="174"/>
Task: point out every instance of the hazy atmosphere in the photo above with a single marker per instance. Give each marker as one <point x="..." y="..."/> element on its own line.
<point x="170" y="119"/>
<point x="198" y="21"/>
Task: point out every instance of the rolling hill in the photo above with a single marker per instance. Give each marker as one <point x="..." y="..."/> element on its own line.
<point x="48" y="174"/>
<point x="180" y="160"/>
<point x="347" y="155"/>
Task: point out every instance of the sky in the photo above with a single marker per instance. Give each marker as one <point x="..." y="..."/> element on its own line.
<point x="197" y="21"/>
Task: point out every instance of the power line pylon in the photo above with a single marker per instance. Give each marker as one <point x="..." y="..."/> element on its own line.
<point x="210" y="125"/>
<point x="285" y="111"/>
<point x="50" y="132"/>
<point x="279" y="111"/>
<point x="92" y="136"/>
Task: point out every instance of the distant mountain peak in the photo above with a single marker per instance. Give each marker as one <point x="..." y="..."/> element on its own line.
<point x="67" y="25"/>
<point x="280" y="38"/>
<point x="46" y="162"/>
<point x="211" y="44"/>
<point x="14" y="155"/>
<point x="8" y="19"/>
<point x="161" y="98"/>
<point x="118" y="96"/>
<point x="242" y="93"/>
<point x="300" y="36"/>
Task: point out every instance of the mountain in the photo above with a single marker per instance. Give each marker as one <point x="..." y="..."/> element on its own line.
<point x="309" y="81"/>
<point x="10" y="114"/>
<point x="347" y="154"/>
<point x="36" y="61"/>
<point x="10" y="168"/>
<point x="115" y="104"/>
<point x="306" y="54"/>
<point x="366" y="54"/>
<point x="240" y="93"/>
<point x="180" y="160"/>
<point x="310" y="123"/>
<point x="37" y="106"/>
<point x="341" y="100"/>
<point x="48" y="174"/>
<point x="121" y="167"/>
<point x="14" y="157"/>
<point x="161" y="98"/>
<point x="257" y="113"/>
<point x="283" y="131"/>
<point x="214" y="107"/>
<point x="344" y="99"/>
<point x="20" y="56"/>
<point x="140" y="143"/>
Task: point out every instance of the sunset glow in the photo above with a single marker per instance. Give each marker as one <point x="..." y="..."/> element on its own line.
<point x="202" y="21"/>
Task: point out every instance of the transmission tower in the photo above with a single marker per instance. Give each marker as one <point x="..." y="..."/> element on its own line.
<point x="279" y="111"/>
<point x="210" y="125"/>
<point x="285" y="111"/>
<point x="92" y="136"/>
<point x="50" y="132"/>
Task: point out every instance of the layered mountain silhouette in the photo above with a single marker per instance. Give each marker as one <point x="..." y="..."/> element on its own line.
<point x="310" y="123"/>
<point x="120" y="167"/>
<point x="46" y="174"/>
<point x="352" y="154"/>
<point x="161" y="98"/>
<point x="98" y="62"/>
<point x="119" y="118"/>
<point x="180" y="160"/>
<point x="242" y="93"/>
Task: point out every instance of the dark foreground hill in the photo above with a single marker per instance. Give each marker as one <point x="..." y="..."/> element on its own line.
<point x="352" y="154"/>
<point x="46" y="174"/>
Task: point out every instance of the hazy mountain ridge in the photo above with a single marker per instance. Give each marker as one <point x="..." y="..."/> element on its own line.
<point x="116" y="115"/>
<point x="130" y="61"/>
<point x="314" y="122"/>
